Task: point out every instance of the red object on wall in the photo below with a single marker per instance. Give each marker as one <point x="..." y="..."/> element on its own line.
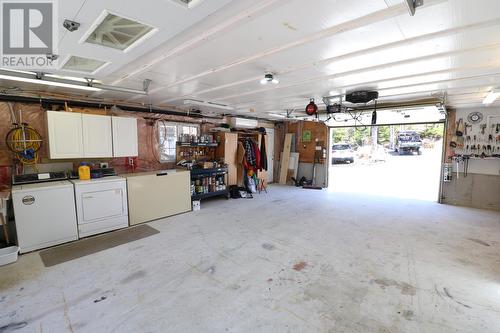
<point x="4" y="175"/>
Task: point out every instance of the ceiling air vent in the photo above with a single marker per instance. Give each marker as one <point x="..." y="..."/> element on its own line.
<point x="118" y="32"/>
<point x="84" y="65"/>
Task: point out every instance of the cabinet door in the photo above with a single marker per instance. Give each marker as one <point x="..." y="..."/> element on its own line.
<point x="65" y="134"/>
<point x="230" y="151"/>
<point x="125" y="141"/>
<point x="97" y="138"/>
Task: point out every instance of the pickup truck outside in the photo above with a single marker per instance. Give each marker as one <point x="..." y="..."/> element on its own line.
<point x="408" y="142"/>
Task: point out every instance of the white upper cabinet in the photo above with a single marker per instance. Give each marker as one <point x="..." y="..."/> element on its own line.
<point x="65" y="134"/>
<point x="125" y="140"/>
<point x="97" y="137"/>
<point x="77" y="135"/>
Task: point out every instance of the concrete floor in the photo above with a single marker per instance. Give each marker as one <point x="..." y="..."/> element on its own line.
<point x="408" y="176"/>
<point x="292" y="260"/>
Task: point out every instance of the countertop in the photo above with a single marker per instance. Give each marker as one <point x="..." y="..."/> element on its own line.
<point x="98" y="180"/>
<point x="152" y="173"/>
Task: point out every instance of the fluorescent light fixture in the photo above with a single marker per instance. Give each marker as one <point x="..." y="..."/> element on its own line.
<point x="277" y="115"/>
<point x="64" y="81"/>
<point x="206" y="105"/>
<point x="48" y="83"/>
<point x="71" y="78"/>
<point x="491" y="97"/>
<point x="269" y="78"/>
<point x="16" y="71"/>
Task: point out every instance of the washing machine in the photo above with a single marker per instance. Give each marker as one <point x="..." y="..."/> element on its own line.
<point x="45" y="214"/>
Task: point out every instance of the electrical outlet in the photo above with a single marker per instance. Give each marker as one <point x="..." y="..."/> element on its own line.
<point x="104" y="165"/>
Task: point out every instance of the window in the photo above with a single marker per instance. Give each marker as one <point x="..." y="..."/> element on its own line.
<point x="168" y="134"/>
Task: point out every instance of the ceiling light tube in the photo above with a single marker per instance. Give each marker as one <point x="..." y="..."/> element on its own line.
<point x="277" y="115"/>
<point x="48" y="83"/>
<point x="491" y="97"/>
<point x="67" y="82"/>
<point x="193" y="102"/>
<point x="121" y="89"/>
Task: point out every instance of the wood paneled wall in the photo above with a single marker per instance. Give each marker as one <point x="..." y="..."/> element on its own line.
<point x="306" y="150"/>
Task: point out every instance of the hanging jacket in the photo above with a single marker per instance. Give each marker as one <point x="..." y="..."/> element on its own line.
<point x="257" y="155"/>
<point x="249" y="153"/>
<point x="263" y="155"/>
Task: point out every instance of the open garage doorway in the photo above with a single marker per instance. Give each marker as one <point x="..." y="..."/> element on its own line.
<point x="400" y="161"/>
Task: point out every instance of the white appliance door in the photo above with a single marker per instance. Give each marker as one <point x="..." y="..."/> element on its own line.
<point x="102" y="204"/>
<point x="101" y="201"/>
<point x="45" y="217"/>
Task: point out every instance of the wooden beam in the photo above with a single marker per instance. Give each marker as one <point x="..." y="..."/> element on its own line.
<point x="285" y="158"/>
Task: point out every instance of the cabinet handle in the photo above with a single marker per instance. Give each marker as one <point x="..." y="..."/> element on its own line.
<point x="89" y="197"/>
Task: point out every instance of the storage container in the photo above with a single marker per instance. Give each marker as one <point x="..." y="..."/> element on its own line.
<point x="84" y="172"/>
<point x="8" y="255"/>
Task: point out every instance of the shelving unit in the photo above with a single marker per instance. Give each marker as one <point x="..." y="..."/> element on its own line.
<point x="197" y="144"/>
<point x="195" y="150"/>
<point x="200" y="174"/>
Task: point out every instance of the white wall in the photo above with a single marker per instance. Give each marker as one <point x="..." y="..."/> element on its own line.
<point x="481" y="166"/>
<point x="481" y="188"/>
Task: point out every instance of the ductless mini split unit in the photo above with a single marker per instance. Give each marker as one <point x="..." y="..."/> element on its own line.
<point x="243" y="123"/>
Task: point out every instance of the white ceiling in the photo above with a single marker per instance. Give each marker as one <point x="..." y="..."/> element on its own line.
<point x="219" y="50"/>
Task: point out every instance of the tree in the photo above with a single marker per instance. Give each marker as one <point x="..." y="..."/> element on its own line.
<point x="339" y="135"/>
<point x="432" y="131"/>
<point x="384" y="134"/>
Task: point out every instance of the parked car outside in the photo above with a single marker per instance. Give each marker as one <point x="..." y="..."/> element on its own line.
<point x="342" y="152"/>
<point x="408" y="142"/>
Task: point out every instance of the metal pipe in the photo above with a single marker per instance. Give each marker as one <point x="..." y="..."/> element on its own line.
<point x="47" y="101"/>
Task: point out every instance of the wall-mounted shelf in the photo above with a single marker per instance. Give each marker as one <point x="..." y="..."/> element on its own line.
<point x="197" y="144"/>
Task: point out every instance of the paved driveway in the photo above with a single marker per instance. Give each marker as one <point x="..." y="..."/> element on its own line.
<point x="406" y="176"/>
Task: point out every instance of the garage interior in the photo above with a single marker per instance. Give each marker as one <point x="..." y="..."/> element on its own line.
<point x="166" y="166"/>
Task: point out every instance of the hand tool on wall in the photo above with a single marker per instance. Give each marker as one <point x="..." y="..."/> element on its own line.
<point x="467" y="127"/>
<point x="458" y="159"/>
<point x="460" y="127"/>
<point x="466" y="165"/>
